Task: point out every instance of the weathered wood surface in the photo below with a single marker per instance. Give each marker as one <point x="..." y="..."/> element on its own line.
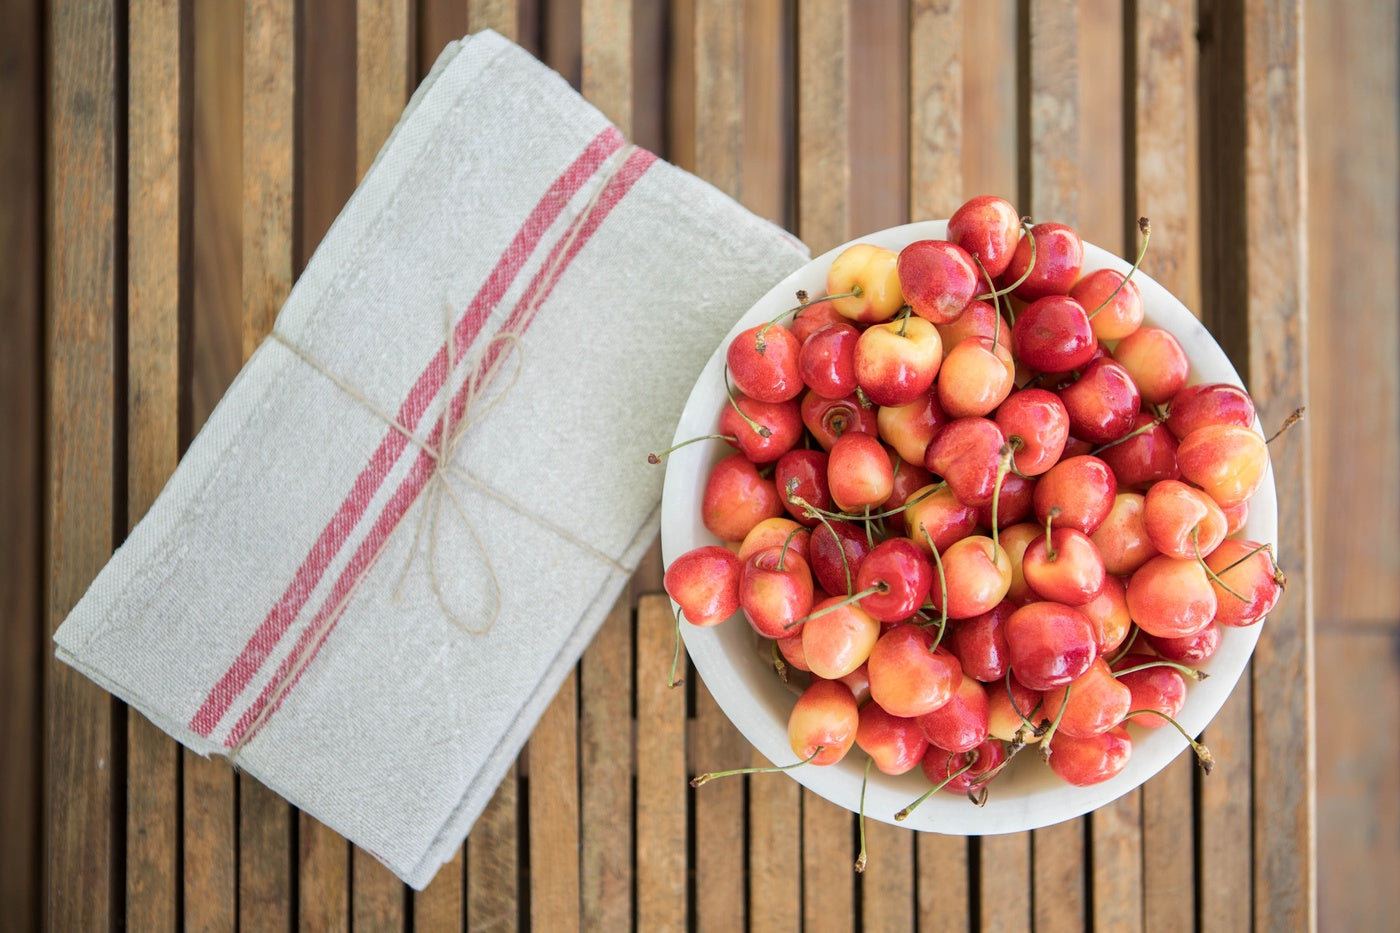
<point x="169" y="168"/>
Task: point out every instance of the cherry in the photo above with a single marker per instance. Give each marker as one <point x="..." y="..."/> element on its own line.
<point x="910" y="427"/>
<point x="829" y="541"/>
<point x="1171" y="597"/>
<point x="827" y="361"/>
<point x="1014" y="503"/>
<point x="781" y="423"/>
<point x="938" y="278"/>
<point x="1212" y="403"/>
<point x="1189" y="649"/>
<point x="1255" y="584"/>
<point x="960" y="772"/>
<point x="866" y="275"/>
<point x="966" y="453"/>
<point x="827" y="419"/>
<point x="1014" y="711"/>
<point x="938" y="516"/>
<point x="959" y="725"/>
<point x="1108" y="610"/>
<point x="900" y="576"/>
<point x="896" y="362"/>
<point x="1015" y="539"/>
<point x="775" y="590"/>
<point x="775" y="532"/>
<point x="977" y="376"/>
<point x="908" y="676"/>
<point x="737" y="498"/>
<point x="859" y="472"/>
<point x="1082" y="488"/>
<point x="808" y="469"/>
<point x="837" y="637"/>
<point x="823" y="722"/>
<point x="704" y="582"/>
<point x="1053" y="335"/>
<point x="1091" y="760"/>
<point x="1122" y="537"/>
<point x="763" y="363"/>
<point x="1145" y="455"/>
<point x="1093" y="702"/>
<point x="1064" y="567"/>
<point x="980" y="643"/>
<point x="979" y="319"/>
<point x="812" y="317"/>
<point x="989" y="228"/>
<point x="1049" y="644"/>
<point x="1036" y="424"/>
<point x="894" y="743"/>
<point x="1118" y="301"/>
<point x="1156" y="362"/>
<point x="1226" y="460"/>
<point x="1059" y="255"/>
<point x="1157" y="687"/>
<point x="1102" y="402"/>
<point x="1182" y="521"/>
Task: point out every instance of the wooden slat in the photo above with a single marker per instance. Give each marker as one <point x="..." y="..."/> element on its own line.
<point x="1164" y="114"/>
<point x="1102" y="153"/>
<point x="439" y="907"/>
<point x="21" y="473"/>
<point x="82" y="309"/>
<point x="777" y="843"/>
<point x="823" y="29"/>
<point x="493" y="848"/>
<point x="1117" y="859"/>
<point x="888" y="901"/>
<point x="719" y="817"/>
<point x="377" y="897"/>
<point x="1057" y="874"/>
<point x="989" y="103"/>
<point x="500" y="15"/>
<point x="605" y="755"/>
<point x="936" y="119"/>
<point x="662" y="841"/>
<point x="1276" y="218"/>
<point x="1054" y="118"/>
<point x="323" y="895"/>
<point x="766" y="160"/>
<point x="1226" y="797"/>
<point x="1004" y="876"/>
<point x="210" y="840"/>
<point x="439" y="22"/>
<point x="157" y="235"/>
<point x="943" y="886"/>
<point x="382" y="46"/>
<point x="828" y="880"/>
<point x="878" y="130"/>
<point x="561" y="30"/>
<point x="719" y="95"/>
<point x="265" y="825"/>
<point x="553" y="801"/>
<point x="606" y="34"/>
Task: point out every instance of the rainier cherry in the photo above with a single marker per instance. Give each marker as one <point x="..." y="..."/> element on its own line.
<point x="775" y="591"/>
<point x="763" y="363"/>
<point x="1156" y="362"/>
<point x="704" y="582"/>
<point x="1255" y="584"/>
<point x="1084" y="761"/>
<point x="959" y="725"/>
<point x="1059" y="255"/>
<point x="1171" y="597"/>
<point x="1226" y="460"/>
<point x="823" y="722"/>
<point x="989" y="228"/>
<point x="1121" y="315"/>
<point x="827" y="360"/>
<point x="1049" y="644"/>
<point x="867" y="276"/>
<point x="938" y="279"/>
<point x="1053" y="335"/>
<point x="896" y="362"/>
<point x="858" y="472"/>
<point x="736" y="498"/>
<point x="894" y="743"/>
<point x="837" y="637"/>
<point x="908" y="679"/>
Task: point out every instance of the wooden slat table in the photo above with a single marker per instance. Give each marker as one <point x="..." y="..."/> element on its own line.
<point x="188" y="157"/>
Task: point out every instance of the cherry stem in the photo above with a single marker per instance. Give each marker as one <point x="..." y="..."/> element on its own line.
<point x="1013" y="749"/>
<point x="1163" y="662"/>
<point x="996" y="302"/>
<point x="860" y="859"/>
<point x="779" y="665"/>
<point x="759" y="429"/>
<point x="1016" y="442"/>
<point x="656" y="458"/>
<point x="942" y="589"/>
<point x="1196" y="546"/>
<point x="869" y="516"/>
<point x="673" y="680"/>
<point x="880" y="586"/>
<point x="811" y="511"/>
<point x="1026" y="226"/>
<point x="1127" y="645"/>
<point x="1050" y="733"/>
<point x="1130" y="435"/>
<point x="782" y="555"/>
<point x="1051" y="554"/>
<point x="903" y="318"/>
<point x="759" y="341"/>
<point x="1145" y="228"/>
<point x="1203" y="754"/>
<point x="1025" y="717"/>
<point x="1262" y="547"/>
<point x="902" y="815"/>
<point x="1288" y="422"/>
<point x="709" y="776"/>
<point x="1003" y="467"/>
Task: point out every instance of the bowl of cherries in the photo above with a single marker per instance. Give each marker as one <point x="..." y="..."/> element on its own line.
<point x="970" y="525"/>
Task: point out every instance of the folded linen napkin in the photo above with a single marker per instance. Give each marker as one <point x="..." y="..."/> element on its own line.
<point x="402" y="525"/>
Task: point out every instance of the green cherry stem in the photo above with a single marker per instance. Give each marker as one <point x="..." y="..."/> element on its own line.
<point x="1026" y="226"/>
<point x="1145" y="228"/>
<point x="673" y="680"/>
<point x="996" y="301"/>
<point x="759" y="429"/>
<point x="1050" y="733"/>
<point x="712" y="775"/>
<point x="872" y="516"/>
<point x="865" y="778"/>
<point x="880" y="586"/>
<point x="1196" y="546"/>
<point x="782" y="555"/>
<point x="903" y="815"/>
<point x="1163" y="662"/>
<point x="1051" y="554"/>
<point x="1003" y="467"/>
<point x="656" y="458"/>
<point x="1127" y="646"/>
<point x="942" y="588"/>
<point x="779" y="665"/>
<point x="759" y="341"/>
<point x="1203" y="754"/>
<point x="1129" y="436"/>
<point x="811" y="511"/>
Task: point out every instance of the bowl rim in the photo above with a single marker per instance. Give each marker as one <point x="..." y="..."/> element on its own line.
<point x="1027" y="795"/>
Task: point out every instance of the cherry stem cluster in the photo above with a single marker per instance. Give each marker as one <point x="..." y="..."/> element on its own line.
<point x="1145" y="228"/>
<point x="903" y="815"/>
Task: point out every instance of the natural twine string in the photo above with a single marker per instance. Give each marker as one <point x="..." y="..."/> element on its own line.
<point x="438" y="491"/>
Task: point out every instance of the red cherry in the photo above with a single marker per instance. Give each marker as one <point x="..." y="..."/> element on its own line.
<point x="808" y="469"/>
<point x="827" y="361"/>
<point x="736" y="498"/>
<point x="1059" y="255"/>
<point x="828" y="541"/>
<point x="1102" y="402"/>
<point x="1092" y="760"/>
<point x="938" y="279"/>
<point x="783" y="421"/>
<point x="763" y="363"/>
<point x="987" y="227"/>
<point x="828" y="419"/>
<point x="894" y="743"/>
<point x="908" y="679"/>
<point x="704" y="582"/>
<point x="1053" y="335"/>
<point x="1049" y="644"/>
<point x="824" y="717"/>
<point x="902" y="573"/>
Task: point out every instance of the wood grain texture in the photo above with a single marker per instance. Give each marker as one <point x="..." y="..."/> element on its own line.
<point x="382" y="52"/>
<point x="377" y="896"/>
<point x="680" y="86"/>
<point x="662" y="835"/>
<point x="500" y="15"/>
<point x="823" y="167"/>
<point x="606" y="34"/>
<point x="1168" y="859"/>
<point x="888" y="890"/>
<point x="439" y="22"/>
<point x="935" y="96"/>
<point x="776" y="847"/>
<point x="210" y="864"/>
<point x="440" y="907"/>
<point x="765" y="173"/>
<point x="990" y="156"/>
<point x="1004" y="872"/>
<point x="1054" y="112"/>
<point x="1276" y="198"/>
<point x="493" y="861"/>
<point x="878" y="131"/>
<point x="157" y="298"/>
<point x="719" y="817"/>
<point x="22" y="621"/>
<point x="605" y="761"/>
<point x="1057" y="874"/>
<point x="553" y="800"/>
<point x="943" y="889"/>
<point x="719" y="95"/>
<point x="828" y="853"/>
<point x="1102" y="146"/>
<point x="82" y="310"/>
<point x="323" y="875"/>
<point x="1223" y="822"/>
<point x="1115" y="852"/>
<point x="265" y="822"/>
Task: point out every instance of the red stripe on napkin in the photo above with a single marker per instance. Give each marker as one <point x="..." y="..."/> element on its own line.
<point x="315" y="634"/>
<point x="332" y="539"/>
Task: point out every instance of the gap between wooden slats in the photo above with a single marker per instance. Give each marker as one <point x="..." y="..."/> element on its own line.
<point x="158" y="236"/>
<point x="22" y="621"/>
<point x="266" y="828"/>
<point x="84" y="774"/>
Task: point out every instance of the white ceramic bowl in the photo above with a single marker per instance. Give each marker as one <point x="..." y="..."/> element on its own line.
<point x="1027" y="794"/>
